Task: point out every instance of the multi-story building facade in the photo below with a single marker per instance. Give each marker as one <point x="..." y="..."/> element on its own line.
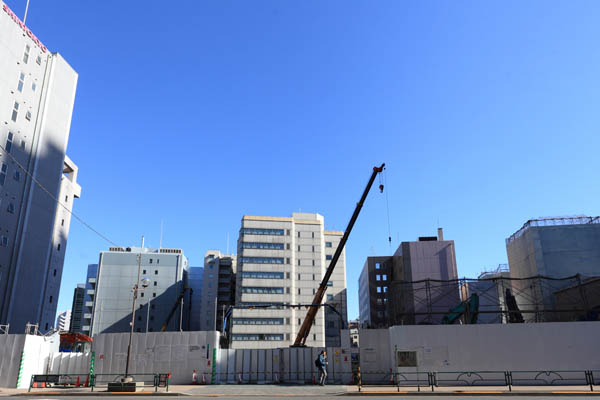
<point x="63" y="321"/>
<point x="373" y="292"/>
<point x="38" y="182"/>
<point x="118" y="269"/>
<point x="554" y="247"/>
<point x="76" y="323"/>
<point x="418" y="284"/>
<point x="195" y="278"/>
<point x="88" y="299"/>
<point x="218" y="288"/>
<point x="281" y="262"/>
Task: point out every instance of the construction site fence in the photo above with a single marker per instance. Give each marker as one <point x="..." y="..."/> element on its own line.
<point x="510" y="379"/>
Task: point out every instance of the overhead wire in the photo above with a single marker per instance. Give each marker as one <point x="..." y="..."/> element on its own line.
<point x="55" y="199"/>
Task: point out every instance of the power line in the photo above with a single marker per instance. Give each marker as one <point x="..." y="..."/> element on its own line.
<point x="55" y="199"/>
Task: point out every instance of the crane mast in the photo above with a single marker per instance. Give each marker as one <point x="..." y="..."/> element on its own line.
<point x="316" y="303"/>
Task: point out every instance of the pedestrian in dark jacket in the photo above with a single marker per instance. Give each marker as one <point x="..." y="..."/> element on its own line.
<point x="323" y="367"/>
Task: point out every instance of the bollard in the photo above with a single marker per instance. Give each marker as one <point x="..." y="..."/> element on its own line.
<point x="358" y="382"/>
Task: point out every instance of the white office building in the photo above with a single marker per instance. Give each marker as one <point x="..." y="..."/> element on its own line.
<point x="37" y="93"/>
<point x="165" y="301"/>
<point x="281" y="262"/>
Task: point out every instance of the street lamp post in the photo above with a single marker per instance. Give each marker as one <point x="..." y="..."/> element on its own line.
<point x="144" y="282"/>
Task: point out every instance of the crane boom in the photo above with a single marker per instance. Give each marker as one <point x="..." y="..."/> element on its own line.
<point x="312" y="310"/>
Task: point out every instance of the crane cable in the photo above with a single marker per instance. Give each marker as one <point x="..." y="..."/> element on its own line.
<point x="55" y="199"/>
<point x="382" y="184"/>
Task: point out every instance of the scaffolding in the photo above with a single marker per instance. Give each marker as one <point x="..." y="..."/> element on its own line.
<point x="538" y="298"/>
<point x="553" y="221"/>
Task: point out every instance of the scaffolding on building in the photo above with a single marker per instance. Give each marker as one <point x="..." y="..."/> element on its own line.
<point x="538" y="299"/>
<point x="553" y="221"/>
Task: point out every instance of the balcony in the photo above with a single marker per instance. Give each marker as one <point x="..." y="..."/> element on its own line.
<point x="92" y="280"/>
<point x="87" y="316"/>
<point x="89" y="304"/>
<point x="91" y="292"/>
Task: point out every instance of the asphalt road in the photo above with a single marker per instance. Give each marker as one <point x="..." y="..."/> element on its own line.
<point x="325" y="397"/>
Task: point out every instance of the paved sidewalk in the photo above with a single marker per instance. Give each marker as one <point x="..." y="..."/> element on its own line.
<point x="311" y="391"/>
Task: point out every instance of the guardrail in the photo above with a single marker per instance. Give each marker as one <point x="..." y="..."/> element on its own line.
<point x="95" y="380"/>
<point x="433" y="379"/>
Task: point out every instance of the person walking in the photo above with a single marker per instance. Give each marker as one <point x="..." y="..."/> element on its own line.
<point x="322" y="361"/>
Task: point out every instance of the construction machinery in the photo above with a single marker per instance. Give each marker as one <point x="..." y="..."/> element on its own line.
<point x="178" y="302"/>
<point x="469" y="308"/>
<point x="314" y="307"/>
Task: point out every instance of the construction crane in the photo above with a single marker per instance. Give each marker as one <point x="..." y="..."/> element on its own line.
<point x="177" y="303"/>
<point x="312" y="309"/>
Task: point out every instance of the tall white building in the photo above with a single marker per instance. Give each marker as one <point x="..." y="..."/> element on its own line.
<point x="281" y="262"/>
<point x="63" y="321"/>
<point x="37" y="93"/>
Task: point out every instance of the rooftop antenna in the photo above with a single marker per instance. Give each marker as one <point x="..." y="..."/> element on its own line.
<point x="161" y="233"/>
<point x="26" y="9"/>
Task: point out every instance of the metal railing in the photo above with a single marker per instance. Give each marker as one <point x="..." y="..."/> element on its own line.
<point x="97" y="380"/>
<point x="510" y="379"/>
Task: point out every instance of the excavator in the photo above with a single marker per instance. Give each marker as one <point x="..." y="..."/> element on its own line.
<point x="318" y="299"/>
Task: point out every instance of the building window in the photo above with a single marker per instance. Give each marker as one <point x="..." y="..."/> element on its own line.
<point x="257" y="337"/>
<point x="385" y="289"/>
<point x="50" y="300"/>
<point x="21" y="82"/>
<point x="328" y="257"/>
<point x="287" y="289"/>
<point x="287" y="232"/>
<point x="150" y="261"/>
<point x="314" y="292"/>
<point x="298" y="261"/>
<point x="261" y="231"/>
<point x="329" y="283"/>
<point x="139" y="317"/>
<point x="287" y="246"/>
<point x="9" y="142"/>
<point x="378" y="289"/>
<point x="256" y="245"/>
<point x="299" y="276"/>
<point x="155" y="283"/>
<point x="262" y="260"/>
<point x="142" y="294"/>
<point x="58" y="247"/>
<point x="377" y="277"/>
<point x="262" y="275"/>
<point x="257" y="321"/>
<point x="155" y="272"/>
<point x="153" y="294"/>
<point x="33" y="86"/>
<point x="313" y="277"/>
<point x="66" y="199"/>
<point x="313" y="263"/>
<point x="377" y="266"/>
<point x="313" y="235"/>
<point x="22" y="145"/>
<point x="17" y="175"/>
<point x="158" y="260"/>
<point x="54" y="273"/>
<point x="299" y="291"/>
<point x="152" y="307"/>
<point x="3" y="171"/>
<point x="62" y="222"/>
<point x="384" y="277"/>
<point x="314" y="336"/>
<point x="28" y="115"/>
<point x="26" y="54"/>
<point x="298" y="247"/>
<point x="144" y="272"/>
<point x="262" y="290"/>
<point x="328" y="244"/>
<point x="15" y="112"/>
<point x="3" y="241"/>
<point x="38" y="60"/>
<point x="287" y="260"/>
<point x="329" y="297"/>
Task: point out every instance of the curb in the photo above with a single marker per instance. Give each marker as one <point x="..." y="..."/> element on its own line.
<point x="478" y="393"/>
<point x="84" y="394"/>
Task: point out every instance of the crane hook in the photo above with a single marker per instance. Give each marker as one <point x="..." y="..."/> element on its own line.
<point x="381" y="188"/>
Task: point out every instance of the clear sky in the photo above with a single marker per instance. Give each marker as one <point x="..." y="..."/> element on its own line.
<point x="198" y="112"/>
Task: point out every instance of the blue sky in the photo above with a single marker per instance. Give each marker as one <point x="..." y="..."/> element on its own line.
<point x="198" y="112"/>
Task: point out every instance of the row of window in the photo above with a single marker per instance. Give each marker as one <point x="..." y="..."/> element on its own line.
<point x="255" y="245"/>
<point x="258" y="321"/>
<point x="9" y="143"/>
<point x="15" y="113"/>
<point x="21" y="83"/>
<point x="262" y="231"/>
<point x="263" y="275"/>
<point x="262" y="260"/>
<point x="38" y="60"/>
<point x="381" y="277"/>
<point x="262" y="290"/>
<point x="257" y="336"/>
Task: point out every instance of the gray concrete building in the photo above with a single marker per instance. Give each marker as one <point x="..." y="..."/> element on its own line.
<point x="88" y="299"/>
<point x="218" y="288"/>
<point x="195" y="278"/>
<point x="373" y="292"/>
<point x="37" y="93"/>
<point x="281" y="262"/>
<point x="490" y="287"/>
<point x="417" y="285"/>
<point x="63" y="320"/>
<point x="167" y="270"/>
<point x="554" y="247"/>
